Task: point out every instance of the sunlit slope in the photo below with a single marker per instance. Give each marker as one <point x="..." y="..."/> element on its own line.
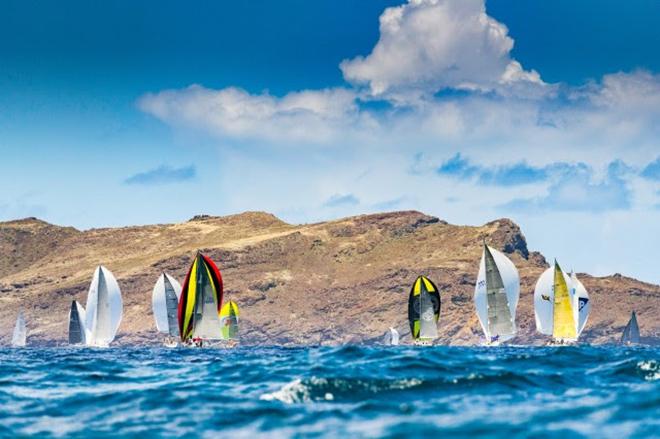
<point x="332" y="282"/>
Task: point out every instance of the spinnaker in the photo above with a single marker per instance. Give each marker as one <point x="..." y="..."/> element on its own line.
<point x="561" y="305"/>
<point x="201" y="301"/>
<point x="104" y="308"/>
<point x="424" y="310"/>
<point x="165" y="304"/>
<point x="229" y="320"/>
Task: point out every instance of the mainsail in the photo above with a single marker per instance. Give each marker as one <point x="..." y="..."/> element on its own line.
<point x="201" y="301"/>
<point x="631" y="332"/>
<point x="165" y="303"/>
<point x="496" y="295"/>
<point x="564" y="325"/>
<point x="76" y="323"/>
<point x="554" y="305"/>
<point x="229" y="321"/>
<point x="19" y="337"/>
<point x="424" y="309"/>
<point x="104" y="308"/>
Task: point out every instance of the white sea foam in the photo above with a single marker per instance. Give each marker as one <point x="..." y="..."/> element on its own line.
<point x="651" y="369"/>
<point x="303" y="391"/>
<point x="291" y="393"/>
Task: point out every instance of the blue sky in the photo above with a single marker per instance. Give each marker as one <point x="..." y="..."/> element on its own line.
<point x="144" y="112"/>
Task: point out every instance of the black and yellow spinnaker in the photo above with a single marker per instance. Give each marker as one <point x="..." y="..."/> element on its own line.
<point x="424" y="309"/>
<point x="201" y="301"/>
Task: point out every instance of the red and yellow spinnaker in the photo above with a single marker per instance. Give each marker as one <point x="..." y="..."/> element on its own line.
<point x="202" y="284"/>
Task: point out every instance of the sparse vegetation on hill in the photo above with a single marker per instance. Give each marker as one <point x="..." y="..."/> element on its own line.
<point x="332" y="282"/>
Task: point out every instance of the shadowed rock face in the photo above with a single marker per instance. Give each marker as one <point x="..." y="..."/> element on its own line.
<point x="333" y="282"/>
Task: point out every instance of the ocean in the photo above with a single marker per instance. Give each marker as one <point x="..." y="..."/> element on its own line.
<point x="334" y="392"/>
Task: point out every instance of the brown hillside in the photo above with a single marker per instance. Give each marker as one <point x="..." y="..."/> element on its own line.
<point x="332" y="282"/>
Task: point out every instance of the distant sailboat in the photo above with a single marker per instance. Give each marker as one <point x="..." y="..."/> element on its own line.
<point x="77" y="333"/>
<point x="165" y="304"/>
<point x="424" y="310"/>
<point x="19" y="336"/>
<point x="496" y="296"/>
<point x="229" y="321"/>
<point x="104" y="309"/>
<point x="393" y="337"/>
<point x="200" y="302"/>
<point x="561" y="305"/>
<point x="631" y="332"/>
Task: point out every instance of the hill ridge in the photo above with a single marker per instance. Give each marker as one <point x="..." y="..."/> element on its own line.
<point x="328" y="282"/>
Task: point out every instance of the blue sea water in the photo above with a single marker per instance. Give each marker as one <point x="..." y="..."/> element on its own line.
<point x="345" y="391"/>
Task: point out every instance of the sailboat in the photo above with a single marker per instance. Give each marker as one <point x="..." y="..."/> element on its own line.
<point x="561" y="305"/>
<point x="424" y="311"/>
<point x="19" y="336"/>
<point x="631" y="332"/>
<point x="165" y="304"/>
<point x="393" y="337"/>
<point x="103" y="310"/>
<point x="200" y="302"/>
<point x="229" y="322"/>
<point x="77" y="333"/>
<point x="496" y="296"/>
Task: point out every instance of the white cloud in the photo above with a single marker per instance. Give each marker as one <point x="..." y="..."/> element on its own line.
<point x="304" y="116"/>
<point x="387" y="156"/>
<point x="429" y="45"/>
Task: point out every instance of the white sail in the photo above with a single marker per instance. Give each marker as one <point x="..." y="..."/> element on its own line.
<point x="581" y="302"/>
<point x="104" y="308"/>
<point x="544" y="297"/>
<point x="19" y="337"/>
<point x="511" y="284"/>
<point x="394" y="337"/>
<point x="164" y="302"/>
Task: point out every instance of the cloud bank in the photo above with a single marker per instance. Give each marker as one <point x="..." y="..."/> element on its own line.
<point x="442" y="97"/>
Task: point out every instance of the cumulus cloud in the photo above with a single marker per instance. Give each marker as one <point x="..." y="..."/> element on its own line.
<point x="429" y="45"/>
<point x="162" y="175"/>
<point x="307" y="116"/>
<point x="518" y="144"/>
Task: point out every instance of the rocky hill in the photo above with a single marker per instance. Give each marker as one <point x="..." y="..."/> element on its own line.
<point x="343" y="281"/>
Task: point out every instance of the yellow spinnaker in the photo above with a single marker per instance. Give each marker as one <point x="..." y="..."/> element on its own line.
<point x="563" y="320"/>
<point x="229" y="320"/>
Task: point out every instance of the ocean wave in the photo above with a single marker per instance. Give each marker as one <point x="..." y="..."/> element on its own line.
<point x="331" y="392"/>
